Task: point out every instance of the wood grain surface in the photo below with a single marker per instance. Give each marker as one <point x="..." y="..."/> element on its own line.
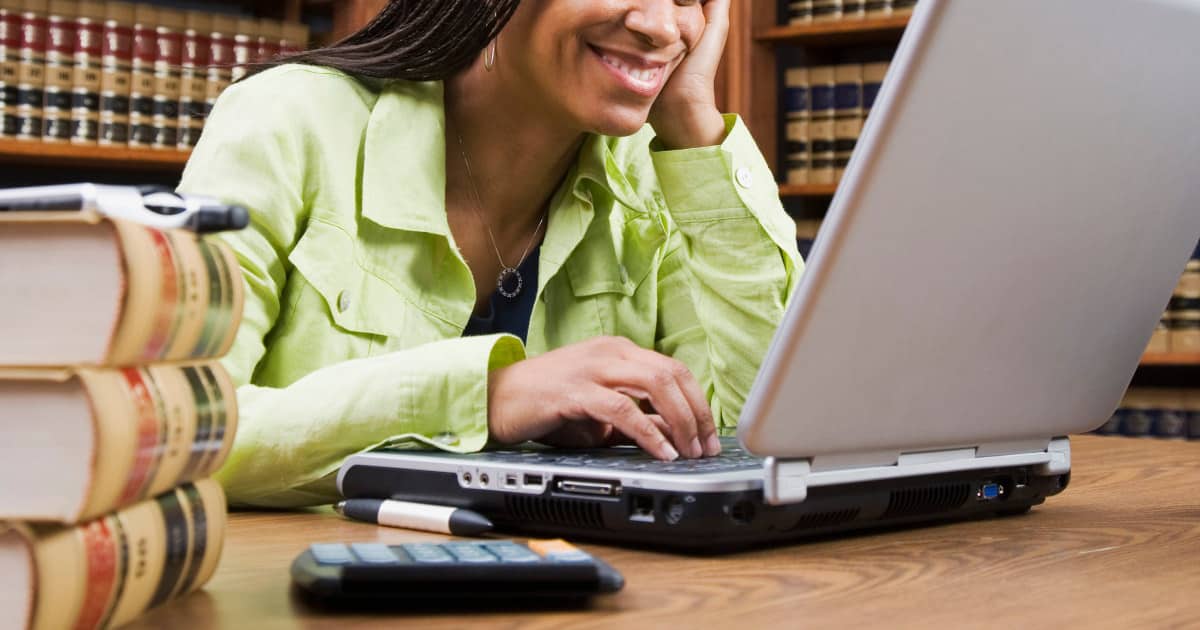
<point x="1119" y="548"/>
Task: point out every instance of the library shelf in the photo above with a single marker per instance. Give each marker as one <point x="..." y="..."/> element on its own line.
<point x="1171" y="358"/>
<point x="807" y="190"/>
<point x="36" y="153"/>
<point x="838" y="33"/>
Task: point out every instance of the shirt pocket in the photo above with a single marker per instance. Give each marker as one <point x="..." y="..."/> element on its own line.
<point x="361" y="310"/>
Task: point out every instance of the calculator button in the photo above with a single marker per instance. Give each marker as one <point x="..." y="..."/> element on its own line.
<point x="470" y="552"/>
<point x="374" y="553"/>
<point x="512" y="552"/>
<point x="427" y="553"/>
<point x="559" y="551"/>
<point x="332" y="554"/>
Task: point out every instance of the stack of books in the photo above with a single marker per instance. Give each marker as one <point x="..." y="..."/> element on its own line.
<point x="114" y="73"/>
<point x="826" y="107"/>
<point x="806" y="235"/>
<point x="810" y="11"/>
<point x="1179" y="329"/>
<point x="1165" y="413"/>
<point x="113" y="413"/>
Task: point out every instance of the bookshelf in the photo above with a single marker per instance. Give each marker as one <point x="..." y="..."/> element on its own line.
<point x="1171" y="359"/>
<point x="33" y="153"/>
<point x="839" y="33"/>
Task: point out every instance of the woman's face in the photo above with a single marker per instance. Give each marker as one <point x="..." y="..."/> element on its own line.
<point x="598" y="64"/>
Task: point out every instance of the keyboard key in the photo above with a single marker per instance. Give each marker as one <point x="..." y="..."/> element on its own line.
<point x="332" y="554"/>
<point x="427" y="553"/>
<point x="512" y="552"/>
<point x="474" y="553"/>
<point x="374" y="553"/>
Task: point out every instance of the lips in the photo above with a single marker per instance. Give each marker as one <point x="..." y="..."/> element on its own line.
<point x="641" y="76"/>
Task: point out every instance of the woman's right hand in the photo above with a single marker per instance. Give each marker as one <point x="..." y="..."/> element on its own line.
<point x="588" y="394"/>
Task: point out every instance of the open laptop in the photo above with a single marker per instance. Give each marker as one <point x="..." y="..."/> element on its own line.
<point x="1008" y="233"/>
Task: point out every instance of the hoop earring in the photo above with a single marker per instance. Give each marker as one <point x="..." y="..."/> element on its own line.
<point x="489" y="56"/>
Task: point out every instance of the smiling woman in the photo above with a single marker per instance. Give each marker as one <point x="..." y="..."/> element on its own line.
<point x="494" y="221"/>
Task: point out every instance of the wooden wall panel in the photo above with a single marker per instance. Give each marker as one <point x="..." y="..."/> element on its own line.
<point x="351" y="15"/>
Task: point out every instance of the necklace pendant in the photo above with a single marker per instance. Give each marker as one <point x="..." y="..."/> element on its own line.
<point x="509" y="283"/>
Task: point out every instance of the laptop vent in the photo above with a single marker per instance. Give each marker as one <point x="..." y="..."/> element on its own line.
<point x="818" y="520"/>
<point x="556" y="511"/>
<point x="927" y="500"/>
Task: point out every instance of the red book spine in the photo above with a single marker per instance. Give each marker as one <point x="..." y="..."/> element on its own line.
<point x="116" y="76"/>
<point x="141" y="89"/>
<point x="85" y="88"/>
<point x="193" y="86"/>
<point x="10" y="43"/>
<point x="60" y="73"/>
<point x="220" y="68"/>
<point x="31" y="76"/>
<point x="168" y="55"/>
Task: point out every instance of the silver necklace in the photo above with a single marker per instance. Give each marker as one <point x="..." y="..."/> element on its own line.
<point x="509" y="283"/>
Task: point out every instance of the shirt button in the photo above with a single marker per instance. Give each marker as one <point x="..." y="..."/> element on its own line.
<point x="343" y="301"/>
<point x="624" y="274"/>
<point x="744" y="177"/>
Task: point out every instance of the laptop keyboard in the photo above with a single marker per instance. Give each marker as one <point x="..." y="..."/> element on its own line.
<point x="732" y="458"/>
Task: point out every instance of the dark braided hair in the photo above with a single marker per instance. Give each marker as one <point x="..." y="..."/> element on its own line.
<point x="416" y="40"/>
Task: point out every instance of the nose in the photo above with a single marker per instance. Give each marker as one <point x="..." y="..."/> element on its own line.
<point x="654" y="22"/>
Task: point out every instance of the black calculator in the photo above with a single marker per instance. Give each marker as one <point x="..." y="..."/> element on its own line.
<point x="437" y="574"/>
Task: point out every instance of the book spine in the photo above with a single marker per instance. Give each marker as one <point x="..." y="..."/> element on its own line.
<point x="220" y="63"/>
<point x="193" y="85"/>
<point x="115" y="81"/>
<point x="31" y="75"/>
<point x="827" y="10"/>
<point x="184" y="297"/>
<point x="141" y="88"/>
<point x="168" y="56"/>
<point x="10" y="44"/>
<point x="796" y="106"/>
<point x="873" y="75"/>
<point x="854" y="9"/>
<point x="800" y="12"/>
<point x="903" y="7"/>
<point x="268" y="40"/>
<point x="875" y="9"/>
<point x="85" y="87"/>
<point x="156" y="427"/>
<point x="59" y="73"/>
<point x="245" y="48"/>
<point x="821" y="128"/>
<point x="848" y="115"/>
<point x="109" y="571"/>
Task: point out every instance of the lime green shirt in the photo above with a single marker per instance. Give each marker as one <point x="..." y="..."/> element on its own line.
<point x="357" y="296"/>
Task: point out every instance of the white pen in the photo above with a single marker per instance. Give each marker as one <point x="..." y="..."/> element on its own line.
<point x="430" y="518"/>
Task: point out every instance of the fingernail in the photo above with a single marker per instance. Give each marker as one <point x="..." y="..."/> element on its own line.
<point x="696" y="450"/>
<point x="672" y="454"/>
<point x="714" y="445"/>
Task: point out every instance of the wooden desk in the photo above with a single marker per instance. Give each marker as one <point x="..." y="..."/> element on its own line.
<point x="1120" y="548"/>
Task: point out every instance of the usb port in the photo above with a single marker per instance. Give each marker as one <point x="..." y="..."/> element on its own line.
<point x="533" y="480"/>
<point x="595" y="488"/>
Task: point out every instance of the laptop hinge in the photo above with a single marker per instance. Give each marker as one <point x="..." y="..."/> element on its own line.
<point x="788" y="480"/>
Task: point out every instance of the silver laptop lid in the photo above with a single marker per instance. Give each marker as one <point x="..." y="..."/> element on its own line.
<point x="1022" y="202"/>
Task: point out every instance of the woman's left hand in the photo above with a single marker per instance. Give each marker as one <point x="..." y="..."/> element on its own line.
<point x="685" y="115"/>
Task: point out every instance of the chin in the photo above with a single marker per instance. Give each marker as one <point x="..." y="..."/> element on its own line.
<point x="618" y="122"/>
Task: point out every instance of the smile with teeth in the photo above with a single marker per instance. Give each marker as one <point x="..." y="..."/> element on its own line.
<point x="642" y="76"/>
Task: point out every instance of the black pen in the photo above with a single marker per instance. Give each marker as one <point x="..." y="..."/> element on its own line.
<point x="429" y="518"/>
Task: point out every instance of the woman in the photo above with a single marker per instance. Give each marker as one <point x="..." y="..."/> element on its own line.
<point x="464" y="232"/>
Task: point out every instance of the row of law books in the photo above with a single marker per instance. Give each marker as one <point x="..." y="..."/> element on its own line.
<point x="1156" y="412"/>
<point x="825" y="109"/>
<point x="810" y="11"/>
<point x="1179" y="329"/>
<point x="113" y="413"/>
<point x="122" y="74"/>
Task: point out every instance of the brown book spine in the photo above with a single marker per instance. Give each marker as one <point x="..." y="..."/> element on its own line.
<point x="31" y="72"/>
<point x="220" y="60"/>
<point x="60" y="71"/>
<point x="85" y="86"/>
<point x="183" y="299"/>
<point x="111" y="570"/>
<point x="168" y="56"/>
<point x="156" y="427"/>
<point x="10" y="43"/>
<point x="141" y="88"/>
<point x="193" y="78"/>
<point x="116" y="74"/>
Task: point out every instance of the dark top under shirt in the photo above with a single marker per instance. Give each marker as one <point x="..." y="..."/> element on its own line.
<point x="510" y="315"/>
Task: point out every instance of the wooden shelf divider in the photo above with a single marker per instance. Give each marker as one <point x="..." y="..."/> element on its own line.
<point x="91" y="156"/>
<point x="807" y="190"/>
<point x="836" y="33"/>
<point x="1171" y="358"/>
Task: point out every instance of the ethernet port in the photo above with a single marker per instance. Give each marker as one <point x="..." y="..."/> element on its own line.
<point x="641" y="508"/>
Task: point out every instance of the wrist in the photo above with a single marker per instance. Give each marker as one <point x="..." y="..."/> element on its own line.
<point x="702" y="127"/>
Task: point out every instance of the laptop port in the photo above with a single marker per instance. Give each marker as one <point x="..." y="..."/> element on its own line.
<point x="533" y="480"/>
<point x="641" y="508"/>
<point x="588" y="487"/>
<point x="992" y="491"/>
<point x="510" y="481"/>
